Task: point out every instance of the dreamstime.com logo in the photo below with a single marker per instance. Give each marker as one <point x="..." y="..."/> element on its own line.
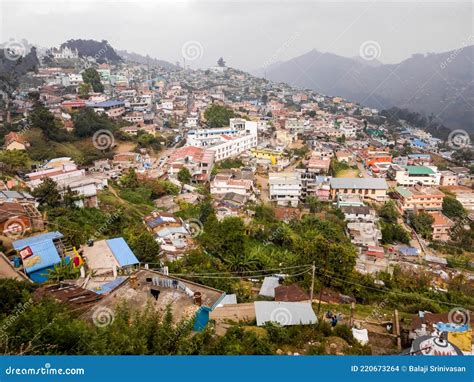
<point x="103" y="317"/>
<point x="44" y="370"/>
<point x="195" y="227"/>
<point x="282" y="316"/>
<point x="13" y="50"/>
<point x="103" y="139"/>
<point x="370" y="50"/>
<point x="459" y="316"/>
<point x="14" y="228"/>
<point x="459" y="139"/>
<point x="192" y="50"/>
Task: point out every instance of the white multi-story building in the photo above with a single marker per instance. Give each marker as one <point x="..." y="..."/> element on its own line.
<point x="226" y="142"/>
<point x="412" y="175"/>
<point x="349" y="131"/>
<point x="75" y="79"/>
<point x="448" y="178"/>
<point x="294" y="125"/>
<point x="224" y="183"/>
<point x="65" y="53"/>
<point x="285" y="188"/>
<point x="192" y="121"/>
<point x="231" y="147"/>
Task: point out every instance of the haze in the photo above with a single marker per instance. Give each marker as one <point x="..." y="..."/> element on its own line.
<point x="248" y="34"/>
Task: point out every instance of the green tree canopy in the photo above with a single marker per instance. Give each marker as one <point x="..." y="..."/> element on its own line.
<point x="452" y="208"/>
<point x="389" y="212"/>
<point x="218" y="116"/>
<point x="92" y="77"/>
<point x="184" y="176"/>
<point x="87" y="122"/>
<point x="422" y="223"/>
<point x="47" y="193"/>
<point x="44" y="120"/>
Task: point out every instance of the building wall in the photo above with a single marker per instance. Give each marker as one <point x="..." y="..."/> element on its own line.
<point x="377" y="195"/>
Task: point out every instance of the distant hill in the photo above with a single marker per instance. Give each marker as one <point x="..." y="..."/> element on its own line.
<point x="102" y="51"/>
<point x="440" y="84"/>
<point x="18" y="66"/>
<point x="145" y="60"/>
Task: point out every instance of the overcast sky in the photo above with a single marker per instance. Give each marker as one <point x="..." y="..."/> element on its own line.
<point x="248" y="34"/>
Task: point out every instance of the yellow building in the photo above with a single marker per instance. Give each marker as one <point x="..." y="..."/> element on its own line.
<point x="269" y="154"/>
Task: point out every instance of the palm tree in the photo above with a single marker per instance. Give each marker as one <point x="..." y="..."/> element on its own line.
<point x="63" y="271"/>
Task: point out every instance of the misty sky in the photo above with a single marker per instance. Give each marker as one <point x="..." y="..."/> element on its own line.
<point x="248" y="34"/>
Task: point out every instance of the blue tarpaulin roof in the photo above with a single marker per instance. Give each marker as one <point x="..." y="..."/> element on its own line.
<point x="110" y="286"/>
<point x="44" y="251"/>
<point x="408" y="251"/>
<point x="122" y="252"/>
<point x="419" y="143"/>
<point x="109" y="103"/>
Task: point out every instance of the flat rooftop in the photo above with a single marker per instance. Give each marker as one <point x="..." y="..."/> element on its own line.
<point x="137" y="295"/>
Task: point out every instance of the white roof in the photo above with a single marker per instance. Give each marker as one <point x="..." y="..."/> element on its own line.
<point x="268" y="286"/>
<point x="284" y="313"/>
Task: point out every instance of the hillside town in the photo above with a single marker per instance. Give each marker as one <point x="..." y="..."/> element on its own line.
<point x="285" y="220"/>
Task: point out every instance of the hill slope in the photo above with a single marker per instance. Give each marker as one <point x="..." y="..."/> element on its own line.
<point x="441" y="84"/>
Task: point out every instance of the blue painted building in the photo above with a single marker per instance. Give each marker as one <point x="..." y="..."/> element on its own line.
<point x="45" y="255"/>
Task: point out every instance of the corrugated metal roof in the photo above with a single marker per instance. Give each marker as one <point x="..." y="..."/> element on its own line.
<point x="284" y="313"/>
<point x="359" y="183"/>
<point x="44" y="251"/>
<point x="419" y="170"/>
<point x="268" y="286"/>
<point x="229" y="299"/>
<point x="109" y="103"/>
<point x="172" y="230"/>
<point x="122" y="252"/>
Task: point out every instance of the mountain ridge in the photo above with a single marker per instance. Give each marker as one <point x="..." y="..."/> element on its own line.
<point x="438" y="84"/>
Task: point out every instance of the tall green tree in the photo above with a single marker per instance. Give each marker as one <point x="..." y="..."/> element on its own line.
<point x="218" y="116"/>
<point x="44" y="120"/>
<point x="452" y="208"/>
<point x="184" y="176"/>
<point x="87" y="122"/>
<point x="422" y="223"/>
<point x="47" y="193"/>
<point x="92" y="77"/>
<point x="389" y="212"/>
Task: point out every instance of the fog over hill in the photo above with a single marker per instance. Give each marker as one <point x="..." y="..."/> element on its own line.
<point x="440" y="84"/>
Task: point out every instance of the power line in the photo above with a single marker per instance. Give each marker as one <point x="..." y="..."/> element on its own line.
<point x="236" y="277"/>
<point x="389" y="291"/>
<point x="237" y="272"/>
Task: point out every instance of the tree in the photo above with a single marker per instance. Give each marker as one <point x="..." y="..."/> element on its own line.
<point x="143" y="245"/>
<point x="184" y="176"/>
<point x="87" y="122"/>
<point x="92" y="77"/>
<point x="44" y="120"/>
<point x="130" y="179"/>
<point x="313" y="204"/>
<point x="63" y="271"/>
<point x="218" y="116"/>
<point x="225" y="239"/>
<point x="47" y="193"/>
<point x="14" y="160"/>
<point x="70" y="198"/>
<point x="452" y="208"/>
<point x="422" y="223"/>
<point x="221" y="62"/>
<point x="389" y="212"/>
<point x="84" y="90"/>
<point x="394" y="232"/>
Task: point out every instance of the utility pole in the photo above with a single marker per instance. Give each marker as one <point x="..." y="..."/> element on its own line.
<point x="322" y="282"/>
<point x="313" y="269"/>
<point x="397" y="330"/>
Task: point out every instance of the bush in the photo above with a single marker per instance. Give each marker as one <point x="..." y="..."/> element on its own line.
<point x="344" y="332"/>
